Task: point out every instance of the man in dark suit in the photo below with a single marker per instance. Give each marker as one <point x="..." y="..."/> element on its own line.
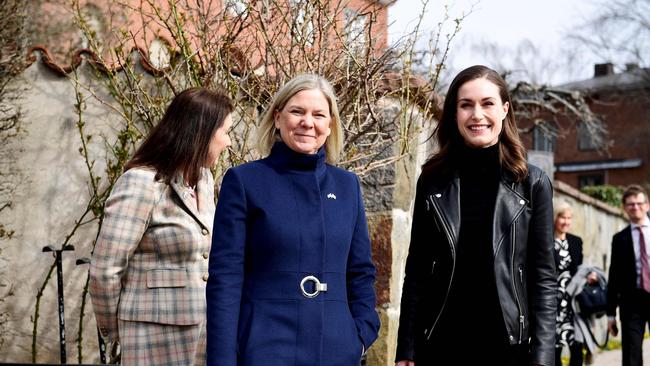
<point x="629" y="276"/>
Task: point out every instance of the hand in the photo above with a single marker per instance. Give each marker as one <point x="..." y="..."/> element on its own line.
<point x="592" y="278"/>
<point x="611" y="326"/>
<point x="405" y="363"/>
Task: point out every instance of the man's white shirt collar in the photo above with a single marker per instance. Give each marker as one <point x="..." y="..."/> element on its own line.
<point x="644" y="224"/>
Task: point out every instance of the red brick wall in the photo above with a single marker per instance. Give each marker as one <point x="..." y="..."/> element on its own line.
<point x="60" y="34"/>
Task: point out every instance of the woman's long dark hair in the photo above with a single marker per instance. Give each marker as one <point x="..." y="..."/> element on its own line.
<point x="181" y="140"/>
<point x="512" y="154"/>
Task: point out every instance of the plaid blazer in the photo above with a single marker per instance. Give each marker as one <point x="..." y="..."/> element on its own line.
<point x="150" y="263"/>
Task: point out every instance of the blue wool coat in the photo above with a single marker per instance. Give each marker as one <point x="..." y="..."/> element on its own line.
<point x="278" y="220"/>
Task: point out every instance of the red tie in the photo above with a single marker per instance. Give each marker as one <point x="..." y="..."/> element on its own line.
<point x="645" y="266"/>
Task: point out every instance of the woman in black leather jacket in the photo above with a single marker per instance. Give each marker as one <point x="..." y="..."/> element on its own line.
<point x="480" y="283"/>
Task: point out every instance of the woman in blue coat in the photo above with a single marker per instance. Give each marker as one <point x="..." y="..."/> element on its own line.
<point x="290" y="272"/>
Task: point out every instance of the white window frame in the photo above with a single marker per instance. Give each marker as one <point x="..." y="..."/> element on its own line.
<point x="236" y="8"/>
<point x="304" y="29"/>
<point x="355" y="30"/>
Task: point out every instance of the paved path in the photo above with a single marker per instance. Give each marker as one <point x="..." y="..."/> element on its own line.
<point x="613" y="358"/>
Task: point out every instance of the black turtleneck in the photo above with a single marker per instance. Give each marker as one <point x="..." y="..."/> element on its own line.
<point x="479" y="171"/>
<point x="473" y="305"/>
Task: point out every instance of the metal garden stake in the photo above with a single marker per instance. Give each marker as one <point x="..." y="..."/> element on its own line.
<point x="59" y="280"/>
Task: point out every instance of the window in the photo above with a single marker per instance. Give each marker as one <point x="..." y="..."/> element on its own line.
<point x="596" y="179"/>
<point x="159" y="54"/>
<point x="96" y="26"/>
<point x="236" y="7"/>
<point x="355" y="30"/>
<point x="587" y="140"/>
<point x="544" y="137"/>
<point x="303" y="25"/>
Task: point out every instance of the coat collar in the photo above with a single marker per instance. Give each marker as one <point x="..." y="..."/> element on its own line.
<point x="204" y="212"/>
<point x="509" y="204"/>
<point x="507" y="208"/>
<point x="285" y="158"/>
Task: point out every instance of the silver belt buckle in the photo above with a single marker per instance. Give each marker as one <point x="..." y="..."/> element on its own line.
<point x="318" y="286"/>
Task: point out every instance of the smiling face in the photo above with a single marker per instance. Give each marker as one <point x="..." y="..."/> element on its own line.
<point x="304" y="122"/>
<point x="480" y="113"/>
<point x="219" y="142"/>
<point x="636" y="207"/>
<point x="563" y="223"/>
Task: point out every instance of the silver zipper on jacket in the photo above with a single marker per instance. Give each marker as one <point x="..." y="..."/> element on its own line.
<point x="514" y="285"/>
<point x="522" y="319"/>
<point x="521" y="316"/>
<point x="447" y="231"/>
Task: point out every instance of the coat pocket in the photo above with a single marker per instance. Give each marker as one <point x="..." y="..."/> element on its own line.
<point x="268" y="333"/>
<point x="167" y="277"/>
<point x="359" y="350"/>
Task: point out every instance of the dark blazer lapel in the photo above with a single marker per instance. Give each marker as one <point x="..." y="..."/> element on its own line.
<point x="627" y="249"/>
<point x="509" y="204"/>
<point x="449" y="199"/>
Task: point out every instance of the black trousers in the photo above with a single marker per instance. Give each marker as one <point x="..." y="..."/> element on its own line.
<point x="472" y="349"/>
<point x="517" y="356"/>
<point x="635" y="315"/>
<point x="575" y="351"/>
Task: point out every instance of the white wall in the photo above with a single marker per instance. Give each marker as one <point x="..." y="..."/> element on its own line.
<point x="51" y="194"/>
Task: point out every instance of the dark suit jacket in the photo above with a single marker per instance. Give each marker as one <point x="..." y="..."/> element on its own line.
<point x="622" y="271"/>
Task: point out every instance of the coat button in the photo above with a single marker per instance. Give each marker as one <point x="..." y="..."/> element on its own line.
<point x="204" y="231"/>
<point x="206" y="255"/>
<point x="522" y="202"/>
<point x="205" y="277"/>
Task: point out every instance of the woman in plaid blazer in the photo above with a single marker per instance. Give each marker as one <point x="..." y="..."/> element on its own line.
<point x="291" y="277"/>
<point x="149" y="267"/>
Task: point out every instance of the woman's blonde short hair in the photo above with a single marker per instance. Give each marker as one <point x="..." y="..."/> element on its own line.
<point x="268" y="134"/>
<point x="560" y="208"/>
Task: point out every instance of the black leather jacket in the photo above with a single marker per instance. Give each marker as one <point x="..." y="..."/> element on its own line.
<point x="524" y="265"/>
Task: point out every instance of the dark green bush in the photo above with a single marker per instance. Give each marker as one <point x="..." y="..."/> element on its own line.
<point x="609" y="194"/>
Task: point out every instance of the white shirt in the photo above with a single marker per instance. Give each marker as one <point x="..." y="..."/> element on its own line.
<point x="645" y="226"/>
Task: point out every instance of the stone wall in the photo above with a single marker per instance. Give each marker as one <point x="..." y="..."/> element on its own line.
<point x="51" y="194"/>
<point x="390" y="233"/>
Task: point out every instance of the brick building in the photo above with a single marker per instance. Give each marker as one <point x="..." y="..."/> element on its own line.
<point x="241" y="30"/>
<point x="622" y="102"/>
